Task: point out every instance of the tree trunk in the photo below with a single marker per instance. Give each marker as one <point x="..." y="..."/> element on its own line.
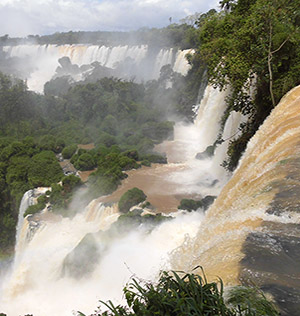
<point x="270" y="56"/>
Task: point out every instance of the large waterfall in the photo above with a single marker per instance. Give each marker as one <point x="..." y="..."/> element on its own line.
<point x="131" y="62"/>
<point x="41" y="274"/>
<point x="250" y="234"/>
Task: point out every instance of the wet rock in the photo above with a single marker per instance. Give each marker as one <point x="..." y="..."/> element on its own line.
<point x="271" y="262"/>
<point x="208" y="152"/>
<point x="83" y="259"/>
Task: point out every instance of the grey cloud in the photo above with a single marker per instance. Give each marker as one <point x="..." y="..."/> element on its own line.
<point x="23" y="17"/>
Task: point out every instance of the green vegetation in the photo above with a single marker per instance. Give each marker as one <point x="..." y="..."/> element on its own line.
<point x="192" y="205"/>
<point x="130" y="198"/>
<point x="250" y="46"/>
<point x="32" y="209"/>
<point x="189" y="294"/>
<point x="23" y="165"/>
<point x="121" y="118"/>
<point x="61" y="195"/>
<point x="111" y="164"/>
<point x="130" y="220"/>
<point x="69" y="151"/>
<point x="174" y="35"/>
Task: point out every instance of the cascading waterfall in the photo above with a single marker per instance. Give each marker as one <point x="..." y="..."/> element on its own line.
<point x="26" y="201"/>
<point x="43" y="284"/>
<point x="36" y="285"/>
<point x="145" y="65"/>
<point x="251" y="233"/>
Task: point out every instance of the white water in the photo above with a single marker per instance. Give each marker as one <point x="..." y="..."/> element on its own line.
<point x="26" y="201"/>
<point x="145" y="67"/>
<point x="36" y="285"/>
<point x="197" y="176"/>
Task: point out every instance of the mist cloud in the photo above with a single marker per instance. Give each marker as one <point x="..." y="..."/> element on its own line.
<point x="24" y="17"/>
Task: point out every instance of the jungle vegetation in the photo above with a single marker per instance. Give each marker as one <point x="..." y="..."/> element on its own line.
<point x="179" y="294"/>
<point x="251" y="46"/>
<point x="122" y="119"/>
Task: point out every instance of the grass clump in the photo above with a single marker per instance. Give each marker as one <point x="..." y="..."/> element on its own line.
<point x="190" y="294"/>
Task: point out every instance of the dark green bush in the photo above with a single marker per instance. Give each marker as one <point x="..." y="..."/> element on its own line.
<point x="47" y="142"/>
<point x="189" y="205"/>
<point x="33" y="209"/>
<point x="44" y="169"/>
<point x="85" y="162"/>
<point x="154" y="158"/>
<point x="71" y="182"/>
<point x="192" y="205"/>
<point x="106" y="139"/>
<point x="189" y="294"/>
<point x="69" y="151"/>
<point x="130" y="198"/>
<point x="133" y="154"/>
<point x="146" y="163"/>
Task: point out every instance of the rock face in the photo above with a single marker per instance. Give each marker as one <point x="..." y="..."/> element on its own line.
<point x="208" y="152"/>
<point x="82" y="260"/>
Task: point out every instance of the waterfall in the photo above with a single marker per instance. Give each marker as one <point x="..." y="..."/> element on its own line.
<point x="48" y="257"/>
<point x="231" y="132"/>
<point x="143" y="64"/>
<point x="37" y="286"/>
<point x="251" y="232"/>
<point x="26" y="201"/>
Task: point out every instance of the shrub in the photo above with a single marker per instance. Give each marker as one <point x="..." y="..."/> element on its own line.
<point x="133" y="154"/>
<point x="44" y="169"/>
<point x="71" y="182"/>
<point x="69" y="151"/>
<point x="130" y="198"/>
<point x="189" y="294"/>
<point x="47" y="142"/>
<point x="146" y="163"/>
<point x="106" y="139"/>
<point x="85" y="162"/>
<point x="127" y="163"/>
<point x="189" y="205"/>
<point x="154" y="158"/>
<point x="41" y="204"/>
<point x="192" y="205"/>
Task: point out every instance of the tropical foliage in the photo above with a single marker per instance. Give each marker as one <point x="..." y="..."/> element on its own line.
<point x="188" y="294"/>
<point x="253" y="47"/>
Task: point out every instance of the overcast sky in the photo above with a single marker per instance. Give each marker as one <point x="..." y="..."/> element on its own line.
<point x="24" y="17"/>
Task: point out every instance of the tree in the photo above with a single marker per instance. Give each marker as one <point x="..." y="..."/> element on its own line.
<point x="255" y="50"/>
<point x="130" y="198"/>
<point x="226" y="5"/>
<point x="257" y="38"/>
<point x="276" y="26"/>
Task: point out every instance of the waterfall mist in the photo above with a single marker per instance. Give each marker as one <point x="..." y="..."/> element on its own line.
<point x="51" y="245"/>
<point x="138" y="63"/>
<point x="37" y="277"/>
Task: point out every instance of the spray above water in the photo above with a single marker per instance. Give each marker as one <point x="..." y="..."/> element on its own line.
<point x="43" y="281"/>
<point x="127" y="62"/>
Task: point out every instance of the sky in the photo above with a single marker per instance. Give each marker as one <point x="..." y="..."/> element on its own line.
<point x="24" y="17"/>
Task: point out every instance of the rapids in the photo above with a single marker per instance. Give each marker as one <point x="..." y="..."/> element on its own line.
<point x="250" y="234"/>
<point x="39" y="273"/>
